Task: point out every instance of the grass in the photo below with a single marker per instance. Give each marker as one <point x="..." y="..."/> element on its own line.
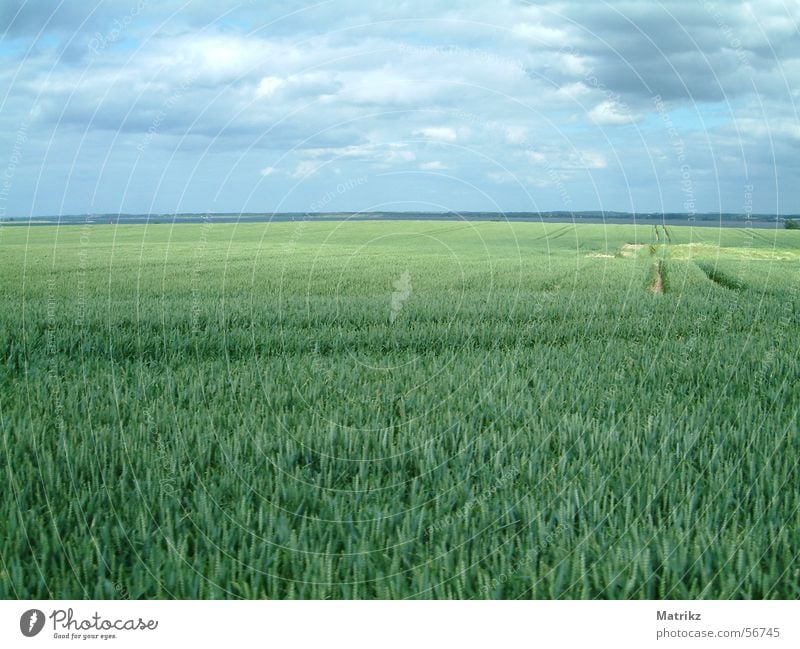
<point x="220" y="411"/>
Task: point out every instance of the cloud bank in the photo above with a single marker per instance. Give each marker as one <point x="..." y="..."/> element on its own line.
<point x="137" y="106"/>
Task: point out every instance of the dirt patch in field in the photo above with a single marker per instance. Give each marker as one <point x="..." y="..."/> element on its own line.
<point x="657" y="286"/>
<point x="600" y="254"/>
<point x="630" y="249"/>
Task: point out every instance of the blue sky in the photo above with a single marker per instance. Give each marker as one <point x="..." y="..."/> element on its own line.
<point x="174" y="106"/>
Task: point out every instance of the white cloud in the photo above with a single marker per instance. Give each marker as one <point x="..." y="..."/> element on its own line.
<point x="388" y="86"/>
<point x="558" y="159"/>
<point x="516" y="134"/>
<point x="222" y="54"/>
<point x="570" y="63"/>
<point x="538" y="34"/>
<point x="571" y="91"/>
<point x="536" y="157"/>
<point x="590" y="160"/>
<point x="305" y="169"/>
<point x="268" y="85"/>
<point x="366" y="96"/>
<point x="502" y="177"/>
<point x="769" y="127"/>
<point x="440" y="133"/>
<point x="610" y="113"/>
<point x="386" y="152"/>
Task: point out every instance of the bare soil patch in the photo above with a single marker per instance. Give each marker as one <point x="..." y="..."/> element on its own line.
<point x="630" y="249"/>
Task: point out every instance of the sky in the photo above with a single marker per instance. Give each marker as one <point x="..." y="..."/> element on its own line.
<point x="138" y="106"/>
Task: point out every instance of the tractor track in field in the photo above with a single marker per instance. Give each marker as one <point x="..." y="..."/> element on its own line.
<point x="657" y="284"/>
<point x="458" y="228"/>
<point x="666" y="238"/>
<point x="555" y="233"/>
<point x="759" y="235"/>
<point x="719" y="278"/>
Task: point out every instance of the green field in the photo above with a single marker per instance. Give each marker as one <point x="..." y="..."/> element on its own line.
<point x="399" y="410"/>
